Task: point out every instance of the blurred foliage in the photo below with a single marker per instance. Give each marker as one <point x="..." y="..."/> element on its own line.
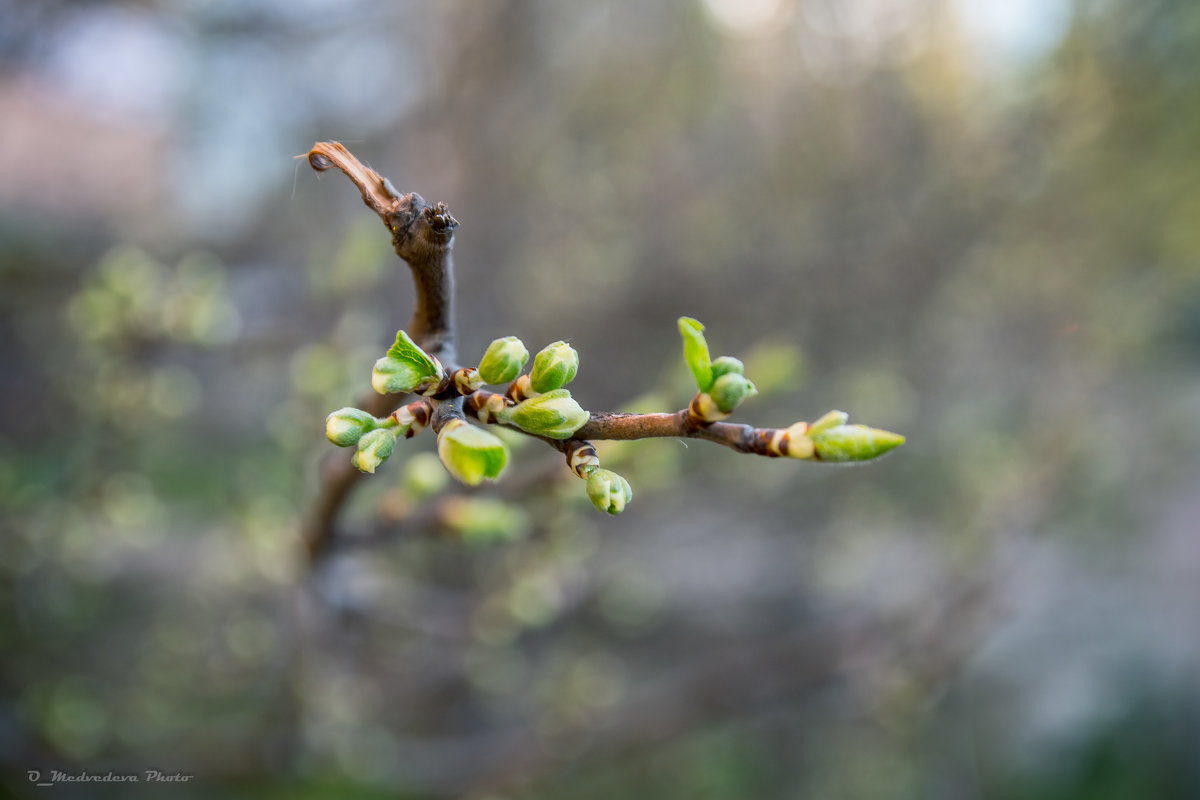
<point x="989" y="244"/>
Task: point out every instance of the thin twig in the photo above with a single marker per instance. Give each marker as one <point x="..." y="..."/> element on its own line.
<point x="769" y="442"/>
<point x="377" y="191"/>
<point x="687" y="424"/>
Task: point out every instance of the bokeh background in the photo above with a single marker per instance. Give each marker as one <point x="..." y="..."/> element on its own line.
<point x="976" y="222"/>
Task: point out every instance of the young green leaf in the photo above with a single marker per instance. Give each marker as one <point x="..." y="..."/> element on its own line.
<point x="695" y="352"/>
<point x="404" y="368"/>
<point x="405" y="349"/>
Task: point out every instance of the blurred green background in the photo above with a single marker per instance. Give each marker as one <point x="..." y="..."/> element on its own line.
<point x="976" y="222"/>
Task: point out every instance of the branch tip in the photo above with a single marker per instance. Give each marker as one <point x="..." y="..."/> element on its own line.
<point x="377" y="192"/>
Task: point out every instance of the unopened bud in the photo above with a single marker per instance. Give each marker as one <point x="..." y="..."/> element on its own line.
<point x="582" y="458"/>
<point x="467" y="380"/>
<point x="346" y="426"/>
<point x="405" y="367"/>
<point x="554" y="414"/>
<point x="374" y="448"/>
<point x="608" y="491"/>
<point x="503" y="360"/>
<point x="555" y="366"/>
<point x="726" y="365"/>
<point x="853" y="443"/>
<point x="471" y="454"/>
<point x="731" y="389"/>
<point x="390" y="376"/>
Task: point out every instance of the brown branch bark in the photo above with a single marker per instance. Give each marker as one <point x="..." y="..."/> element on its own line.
<point x="742" y="438"/>
<point x="686" y="424"/>
<point x="422" y="235"/>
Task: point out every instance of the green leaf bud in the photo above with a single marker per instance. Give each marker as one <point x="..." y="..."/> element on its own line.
<point x="472" y="455"/>
<point x="404" y="368"/>
<point x="726" y="365"/>
<point x="554" y="414"/>
<point x="346" y="426"/>
<point x="374" y="448"/>
<point x="608" y="491"/>
<point x="695" y="352"/>
<point x="555" y="366"/>
<point x="731" y="389"/>
<point x="853" y="443"/>
<point x="503" y="360"/>
<point x="391" y="376"/>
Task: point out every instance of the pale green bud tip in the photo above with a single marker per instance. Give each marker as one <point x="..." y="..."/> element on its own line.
<point x="373" y="449"/>
<point x="608" y="491"/>
<point x="853" y="443"/>
<point x="503" y="360"/>
<point x="731" y="389"/>
<point x="346" y="426"/>
<point x="554" y="414"/>
<point x="470" y="454"/>
<point x="555" y="366"/>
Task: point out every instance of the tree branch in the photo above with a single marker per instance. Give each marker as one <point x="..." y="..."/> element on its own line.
<point x="685" y="424"/>
<point x="422" y="235"/>
<point x="769" y="442"/>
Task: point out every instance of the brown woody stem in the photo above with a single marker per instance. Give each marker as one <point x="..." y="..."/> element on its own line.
<point x="769" y="442"/>
<point x="687" y="424"/>
<point x="423" y="236"/>
<point x="444" y="412"/>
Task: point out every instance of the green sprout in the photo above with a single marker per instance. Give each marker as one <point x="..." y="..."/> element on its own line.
<point x="404" y="368"/>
